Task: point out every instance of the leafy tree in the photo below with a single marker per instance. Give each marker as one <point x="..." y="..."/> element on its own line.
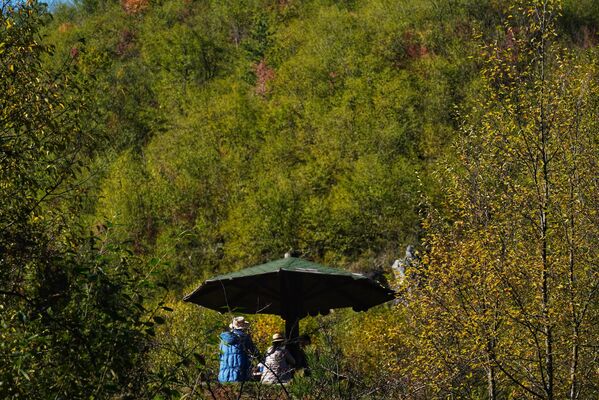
<point x="43" y="144"/>
<point x="222" y="133"/>
<point x="72" y="308"/>
<point x="510" y="278"/>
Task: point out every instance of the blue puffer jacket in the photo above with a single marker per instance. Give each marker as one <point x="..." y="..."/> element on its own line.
<point x="236" y="348"/>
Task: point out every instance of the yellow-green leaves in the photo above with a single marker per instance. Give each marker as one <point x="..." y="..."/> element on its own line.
<point x="507" y="267"/>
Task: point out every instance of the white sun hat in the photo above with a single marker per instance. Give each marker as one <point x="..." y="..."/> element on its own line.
<point x="239" y="323"/>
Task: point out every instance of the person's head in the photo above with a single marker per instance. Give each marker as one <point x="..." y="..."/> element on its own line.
<point x="304" y="340"/>
<point x="278" y="340"/>
<point x="239" y="323"/>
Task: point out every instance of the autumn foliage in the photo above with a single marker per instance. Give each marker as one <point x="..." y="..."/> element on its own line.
<point x="147" y="146"/>
<point x="132" y="7"/>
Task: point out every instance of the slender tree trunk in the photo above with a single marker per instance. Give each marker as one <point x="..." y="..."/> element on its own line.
<point x="547" y="328"/>
<point x="544" y="226"/>
<point x="574" y="363"/>
<point x="491" y="361"/>
<point x="491" y="380"/>
<point x="573" y="309"/>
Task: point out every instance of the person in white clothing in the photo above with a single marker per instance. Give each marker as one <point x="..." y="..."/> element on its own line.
<point x="278" y="362"/>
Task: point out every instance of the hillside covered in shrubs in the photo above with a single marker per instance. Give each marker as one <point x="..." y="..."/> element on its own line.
<point x="147" y="145"/>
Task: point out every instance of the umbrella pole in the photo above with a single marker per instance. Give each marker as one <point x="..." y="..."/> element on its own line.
<point x="292" y="334"/>
<point x="292" y="295"/>
<point x="291" y="329"/>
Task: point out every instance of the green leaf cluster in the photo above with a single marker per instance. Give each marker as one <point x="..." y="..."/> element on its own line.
<point x="217" y="134"/>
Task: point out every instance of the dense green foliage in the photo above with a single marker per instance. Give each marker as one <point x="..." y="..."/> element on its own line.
<point x="146" y="145"/>
<point x="72" y="318"/>
<point x="246" y="130"/>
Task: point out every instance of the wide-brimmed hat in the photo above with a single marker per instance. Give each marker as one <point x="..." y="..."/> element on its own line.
<point x="277" y="337"/>
<point x="239" y="323"/>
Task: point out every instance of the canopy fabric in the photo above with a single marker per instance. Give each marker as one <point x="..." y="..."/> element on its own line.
<point x="290" y="287"/>
<point x="287" y="264"/>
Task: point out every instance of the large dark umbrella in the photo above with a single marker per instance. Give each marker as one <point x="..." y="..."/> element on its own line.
<point x="290" y="287"/>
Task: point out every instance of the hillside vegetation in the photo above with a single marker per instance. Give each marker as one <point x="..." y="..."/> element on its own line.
<point x="146" y="145"/>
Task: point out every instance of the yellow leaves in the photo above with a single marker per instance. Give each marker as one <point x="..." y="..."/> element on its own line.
<point x="263" y="327"/>
<point x="132" y="7"/>
<point x="376" y="341"/>
<point x="65" y="27"/>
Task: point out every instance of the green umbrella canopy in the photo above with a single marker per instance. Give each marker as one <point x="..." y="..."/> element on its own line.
<point x="290" y="287"/>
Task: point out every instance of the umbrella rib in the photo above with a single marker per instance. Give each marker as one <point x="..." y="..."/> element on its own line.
<point x="341" y="289"/>
<point x="317" y="292"/>
<point x="258" y="309"/>
<point x="231" y="301"/>
<point x="262" y="289"/>
<point x="348" y="295"/>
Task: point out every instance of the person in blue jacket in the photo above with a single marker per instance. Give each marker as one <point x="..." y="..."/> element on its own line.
<point x="236" y="352"/>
